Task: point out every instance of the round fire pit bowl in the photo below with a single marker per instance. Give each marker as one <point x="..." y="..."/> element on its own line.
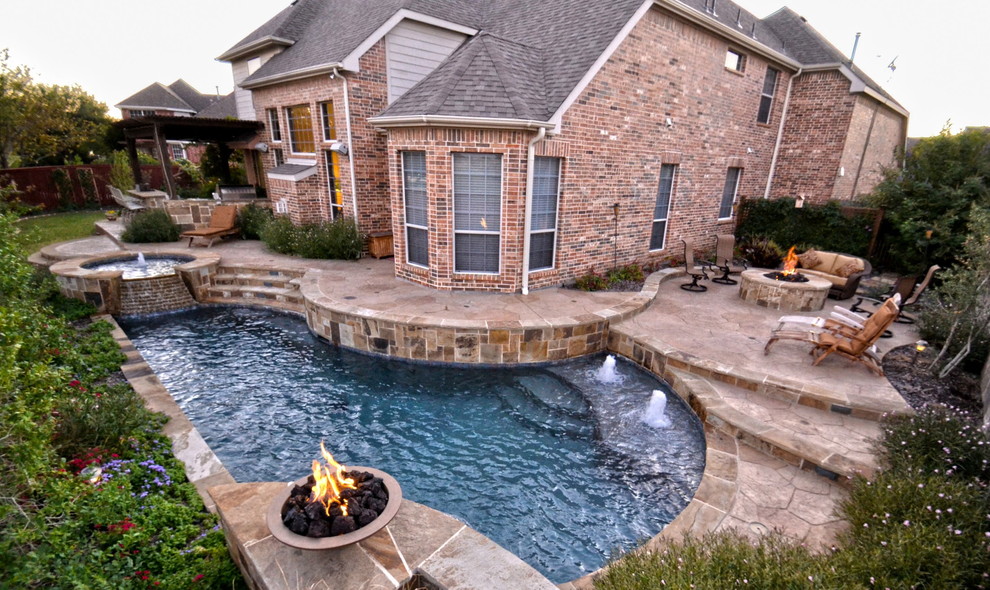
<point x="283" y="534"/>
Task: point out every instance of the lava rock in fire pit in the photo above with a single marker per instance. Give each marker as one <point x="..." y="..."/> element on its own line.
<point x="309" y="518"/>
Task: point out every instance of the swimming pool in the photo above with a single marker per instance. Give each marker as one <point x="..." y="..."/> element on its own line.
<point x="550" y="462"/>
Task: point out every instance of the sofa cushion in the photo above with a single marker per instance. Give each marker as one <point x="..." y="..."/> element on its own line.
<point x="826" y="260"/>
<point x="809" y="259"/>
<point x="846" y="265"/>
<point x="836" y="280"/>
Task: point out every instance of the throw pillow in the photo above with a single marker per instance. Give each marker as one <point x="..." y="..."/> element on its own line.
<point x="809" y="259"/>
<point x="848" y="268"/>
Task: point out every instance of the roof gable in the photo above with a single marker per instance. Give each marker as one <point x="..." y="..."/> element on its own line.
<point x="156" y="96"/>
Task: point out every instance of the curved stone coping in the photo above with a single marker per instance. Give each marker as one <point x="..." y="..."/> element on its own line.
<point x="418" y="540"/>
<point x="464" y="340"/>
<point x="74" y="267"/>
<point x="771" y="385"/>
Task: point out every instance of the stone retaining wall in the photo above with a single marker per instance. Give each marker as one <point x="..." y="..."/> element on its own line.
<point x="154" y="295"/>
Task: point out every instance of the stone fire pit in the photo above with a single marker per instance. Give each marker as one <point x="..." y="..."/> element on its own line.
<point x="785" y="296"/>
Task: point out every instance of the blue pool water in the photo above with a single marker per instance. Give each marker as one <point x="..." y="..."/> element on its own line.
<point x="549" y="462"/>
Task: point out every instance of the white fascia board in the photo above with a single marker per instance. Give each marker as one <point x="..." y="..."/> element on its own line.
<point x="301" y="175"/>
<point x="151" y="108"/>
<point x="681" y="10"/>
<point x="466" y="122"/>
<point x="857" y="84"/>
<point x="289" y="76"/>
<point x="254" y="47"/>
<point x="350" y="63"/>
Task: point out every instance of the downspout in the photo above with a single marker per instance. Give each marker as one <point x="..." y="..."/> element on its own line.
<point x="780" y="134"/>
<point x="350" y="143"/>
<point x="527" y="222"/>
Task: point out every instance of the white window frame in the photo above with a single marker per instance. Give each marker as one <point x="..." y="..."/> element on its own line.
<point x="497" y="231"/>
<point x="289" y="119"/>
<point x="556" y="221"/>
<point x="274" y="125"/>
<point x="323" y="122"/>
<point x="735" y="192"/>
<point x="333" y="185"/>
<point x="140" y="113"/>
<point x="670" y="201"/>
<point x="768" y="97"/>
<point x="405" y="208"/>
<point x="179" y="148"/>
<point x="738" y="64"/>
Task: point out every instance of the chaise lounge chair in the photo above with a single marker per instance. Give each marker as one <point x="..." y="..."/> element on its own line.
<point x="223" y="223"/>
<point x="908" y="288"/>
<point x="840" y="336"/>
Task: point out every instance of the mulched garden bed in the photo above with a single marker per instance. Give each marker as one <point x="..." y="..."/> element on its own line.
<point x="919" y="387"/>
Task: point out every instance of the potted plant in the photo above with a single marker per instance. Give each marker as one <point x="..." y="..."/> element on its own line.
<point x="111" y="215"/>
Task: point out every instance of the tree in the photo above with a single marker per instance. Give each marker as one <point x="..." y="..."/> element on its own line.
<point x="47" y="124"/>
<point x="928" y="203"/>
<point x="959" y="313"/>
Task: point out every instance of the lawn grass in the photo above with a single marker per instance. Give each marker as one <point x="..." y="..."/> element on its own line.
<point x="38" y="232"/>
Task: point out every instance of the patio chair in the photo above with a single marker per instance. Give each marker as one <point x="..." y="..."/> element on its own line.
<point x="223" y="223"/>
<point x="696" y="272"/>
<point x="725" y="261"/>
<point x="829" y="336"/>
<point x="908" y="288"/>
<point x="129" y="205"/>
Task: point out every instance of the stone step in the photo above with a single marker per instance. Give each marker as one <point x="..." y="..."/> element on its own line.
<point x="255" y="280"/>
<point x="280" y="274"/>
<point x="832" y="444"/>
<point x="290" y="294"/>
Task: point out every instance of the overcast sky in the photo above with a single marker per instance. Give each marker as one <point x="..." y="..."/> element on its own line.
<point x="113" y="48"/>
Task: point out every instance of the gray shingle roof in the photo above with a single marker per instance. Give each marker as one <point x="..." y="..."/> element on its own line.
<point x="526" y="60"/>
<point x="224" y="108"/>
<point x="156" y="96"/>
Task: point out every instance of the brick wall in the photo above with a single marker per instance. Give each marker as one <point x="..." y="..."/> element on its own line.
<point x="877" y="132"/>
<point x="814" y="139"/>
<point x="309" y="200"/>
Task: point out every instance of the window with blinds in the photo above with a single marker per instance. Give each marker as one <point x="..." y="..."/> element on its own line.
<point x="417" y="219"/>
<point x="543" y="219"/>
<point x="661" y="212"/>
<point x="477" y="212"/>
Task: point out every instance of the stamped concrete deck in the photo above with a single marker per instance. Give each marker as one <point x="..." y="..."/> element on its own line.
<point x="783" y="437"/>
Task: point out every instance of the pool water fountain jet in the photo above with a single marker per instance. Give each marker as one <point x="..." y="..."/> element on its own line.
<point x="655" y="414"/>
<point x="607" y="373"/>
<point x="141" y="262"/>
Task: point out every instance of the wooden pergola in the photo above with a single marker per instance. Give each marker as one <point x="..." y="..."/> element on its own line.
<point x="228" y="134"/>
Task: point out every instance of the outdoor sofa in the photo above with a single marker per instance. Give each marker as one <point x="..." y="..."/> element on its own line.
<point x="842" y="270"/>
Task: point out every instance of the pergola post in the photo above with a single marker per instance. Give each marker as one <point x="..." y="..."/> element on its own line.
<point x="166" y="161"/>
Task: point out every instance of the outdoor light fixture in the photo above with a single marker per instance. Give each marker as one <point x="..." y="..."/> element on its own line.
<point x="919" y="347"/>
<point x="338" y="147"/>
<point x="799" y="202"/>
<point x="261" y="147"/>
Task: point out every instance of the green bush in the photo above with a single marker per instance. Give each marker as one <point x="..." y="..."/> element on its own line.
<point x="823" y="227"/>
<point x="251" y="219"/>
<point x="63" y="185"/>
<point x="151" y="225"/>
<point x="761" y="252"/>
<point x="86" y="181"/>
<point x="280" y="235"/>
<point x="120" y="171"/>
<point x="593" y="281"/>
<point x="103" y="417"/>
<point x="338" y="239"/>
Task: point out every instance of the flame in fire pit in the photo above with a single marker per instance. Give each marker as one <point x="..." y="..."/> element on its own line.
<point x="790" y="262"/>
<point x="330" y="481"/>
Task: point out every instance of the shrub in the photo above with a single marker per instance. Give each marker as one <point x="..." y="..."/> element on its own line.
<point x="120" y="171"/>
<point x="624" y="278"/>
<point x="591" y="281"/>
<point x="152" y="225"/>
<point x="63" y="185"/>
<point x="761" y="252"/>
<point x="251" y="219"/>
<point x="102" y="417"/>
<point x="337" y="240"/>
<point x="280" y="235"/>
<point x="88" y="184"/>
<point x="824" y="227"/>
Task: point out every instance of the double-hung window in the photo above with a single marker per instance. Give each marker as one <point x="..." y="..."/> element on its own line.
<point x="661" y="212"/>
<point x="735" y="61"/>
<point x="274" y="127"/>
<point x="300" y="129"/>
<point x="477" y="212"/>
<point x="543" y="221"/>
<point x="333" y="185"/>
<point x="766" y="97"/>
<point x="729" y="193"/>
<point x="417" y="220"/>
<point x="326" y="118"/>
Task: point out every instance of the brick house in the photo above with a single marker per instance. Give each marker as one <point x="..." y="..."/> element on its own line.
<point x="178" y="99"/>
<point x="515" y="145"/>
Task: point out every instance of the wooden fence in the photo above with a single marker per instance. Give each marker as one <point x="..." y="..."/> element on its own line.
<point x="69" y="187"/>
